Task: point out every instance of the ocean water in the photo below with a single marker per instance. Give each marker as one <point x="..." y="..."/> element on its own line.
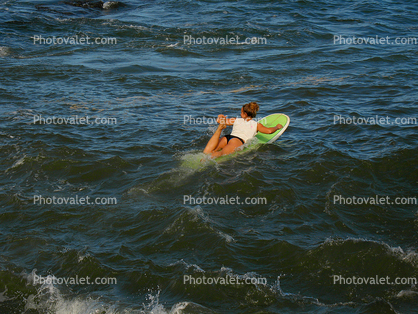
<point x="307" y="233"/>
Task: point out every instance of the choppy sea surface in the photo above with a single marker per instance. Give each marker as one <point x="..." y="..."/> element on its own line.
<point x="315" y="226"/>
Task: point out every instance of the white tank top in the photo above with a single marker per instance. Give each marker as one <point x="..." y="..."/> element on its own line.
<point x="244" y="129"/>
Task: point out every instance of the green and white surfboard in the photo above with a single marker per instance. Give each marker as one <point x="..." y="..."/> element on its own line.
<point x="270" y="121"/>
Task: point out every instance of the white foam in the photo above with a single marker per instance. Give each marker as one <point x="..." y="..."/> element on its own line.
<point x="410" y="256"/>
<point x="178" y="223"/>
<point x="3" y="297"/>
<point x="227" y="237"/>
<point x="81" y="257"/>
<point x="187" y="265"/>
<point x="407" y="294"/>
<point x="49" y="298"/>
<point x="109" y="4"/>
<point x="52" y="299"/>
<point x="138" y="27"/>
<point x="179" y="307"/>
<point x="195" y="161"/>
<point x="17" y="163"/>
<point x="5" y="51"/>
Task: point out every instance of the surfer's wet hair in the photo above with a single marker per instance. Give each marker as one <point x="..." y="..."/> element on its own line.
<point x="251" y="109"/>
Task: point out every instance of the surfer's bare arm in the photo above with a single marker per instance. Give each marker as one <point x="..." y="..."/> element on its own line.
<point x="261" y="128"/>
<point x="222" y="118"/>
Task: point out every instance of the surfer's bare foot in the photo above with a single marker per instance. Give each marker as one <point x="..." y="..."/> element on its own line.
<point x="221" y="119"/>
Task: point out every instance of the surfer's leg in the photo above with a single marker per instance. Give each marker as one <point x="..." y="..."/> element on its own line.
<point x="222" y="143"/>
<point x="214" y="140"/>
<point x="232" y="146"/>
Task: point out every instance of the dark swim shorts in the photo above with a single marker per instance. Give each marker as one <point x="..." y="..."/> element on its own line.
<point x="229" y="137"/>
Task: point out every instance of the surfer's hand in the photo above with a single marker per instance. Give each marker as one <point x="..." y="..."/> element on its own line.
<point x="279" y="126"/>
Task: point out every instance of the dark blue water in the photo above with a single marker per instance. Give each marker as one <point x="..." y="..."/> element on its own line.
<point x="149" y="81"/>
